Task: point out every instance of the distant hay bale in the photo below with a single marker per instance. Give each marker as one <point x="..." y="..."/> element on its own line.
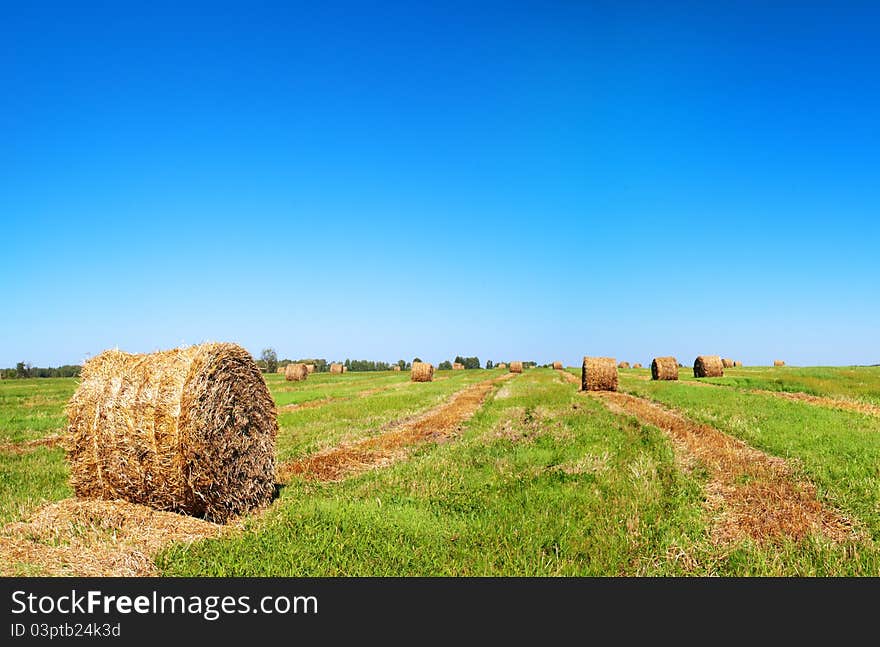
<point x="502" y="365"/>
<point x="336" y="368"/>
<point x="188" y="430"/>
<point x="396" y="367"/>
<point x="778" y="362"/>
<point x="623" y="365"/>
<point x="310" y="368"/>
<point x="345" y="369"/>
<point x="280" y="369"/>
<point x="708" y="366"/>
<point x="296" y="372"/>
<point x="422" y="372"/>
<point x="737" y="363"/>
<point x="457" y="366"/>
<point x="599" y="374"/>
<point x="637" y="365"/>
<point x="664" y="368"/>
<point x="726" y="363"/>
<point x="557" y="366"/>
<point x="516" y="367"/>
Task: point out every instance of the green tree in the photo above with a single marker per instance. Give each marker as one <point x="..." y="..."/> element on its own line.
<point x="270" y="357"/>
<point x="445" y="365"/>
<point x="489" y="364"/>
<point x="21" y="370"/>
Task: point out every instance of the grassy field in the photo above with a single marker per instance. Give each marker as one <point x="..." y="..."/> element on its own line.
<point x="542" y="480"/>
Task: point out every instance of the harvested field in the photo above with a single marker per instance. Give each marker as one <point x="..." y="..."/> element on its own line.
<point x="341" y="462"/>
<point x="750" y="495"/>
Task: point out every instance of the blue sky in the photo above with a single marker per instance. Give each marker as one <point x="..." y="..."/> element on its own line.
<point x="508" y="180"/>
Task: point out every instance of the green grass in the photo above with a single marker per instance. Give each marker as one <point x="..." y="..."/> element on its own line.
<point x="856" y="383"/>
<point x="838" y="450"/>
<point x="28" y="480"/>
<point x="534" y="487"/>
<point x="33" y="408"/>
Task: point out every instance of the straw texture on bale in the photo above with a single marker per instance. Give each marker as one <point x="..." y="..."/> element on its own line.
<point x="708" y="366"/>
<point x="599" y="374"/>
<point x="296" y="372"/>
<point x="310" y="368"/>
<point x="422" y="372"/>
<point x="516" y="367"/>
<point x="457" y="366"/>
<point x="778" y="362"/>
<point x="623" y="365"/>
<point x="726" y="363"/>
<point x="187" y="430"/>
<point x="557" y="366"/>
<point x="336" y="368"/>
<point x="664" y="368"/>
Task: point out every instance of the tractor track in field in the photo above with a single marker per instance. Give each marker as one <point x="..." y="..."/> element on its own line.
<point x="345" y="460"/>
<point x="95" y="538"/>
<point x="750" y="495"/>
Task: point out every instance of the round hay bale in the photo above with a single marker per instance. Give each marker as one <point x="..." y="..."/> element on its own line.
<point x="623" y="365"/>
<point x="557" y="366"/>
<point x="336" y="368"/>
<point x="637" y="365"/>
<point x="726" y="363"/>
<point x="737" y="363"/>
<point x="599" y="374"/>
<point x="516" y="367"/>
<point x="345" y="369"/>
<point x="457" y="366"/>
<point x="396" y="367"/>
<point x="422" y="372"/>
<point x="296" y="372"/>
<point x="187" y="430"/>
<point x="310" y="368"/>
<point x="664" y="368"/>
<point x="708" y="366"/>
<point x="778" y="362"/>
<point x="502" y="365"/>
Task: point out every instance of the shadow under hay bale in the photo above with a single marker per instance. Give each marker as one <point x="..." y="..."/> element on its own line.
<point x="599" y="374"/>
<point x="296" y="372"/>
<point x="187" y="430"/>
<point x="664" y="368"/>
<point x="708" y="366"/>
<point x="516" y="367"/>
<point x="422" y="372"/>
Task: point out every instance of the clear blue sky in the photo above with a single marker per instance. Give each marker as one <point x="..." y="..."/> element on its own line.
<point x="510" y="180"/>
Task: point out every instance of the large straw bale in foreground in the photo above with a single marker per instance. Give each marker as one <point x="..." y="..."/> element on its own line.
<point x="664" y="368"/>
<point x="599" y="374"/>
<point x="188" y="430"/>
<point x="557" y="366"/>
<point x="336" y="368"/>
<point x="422" y="372"/>
<point x="516" y="367"/>
<point x="296" y="372"/>
<point x="708" y="366"/>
